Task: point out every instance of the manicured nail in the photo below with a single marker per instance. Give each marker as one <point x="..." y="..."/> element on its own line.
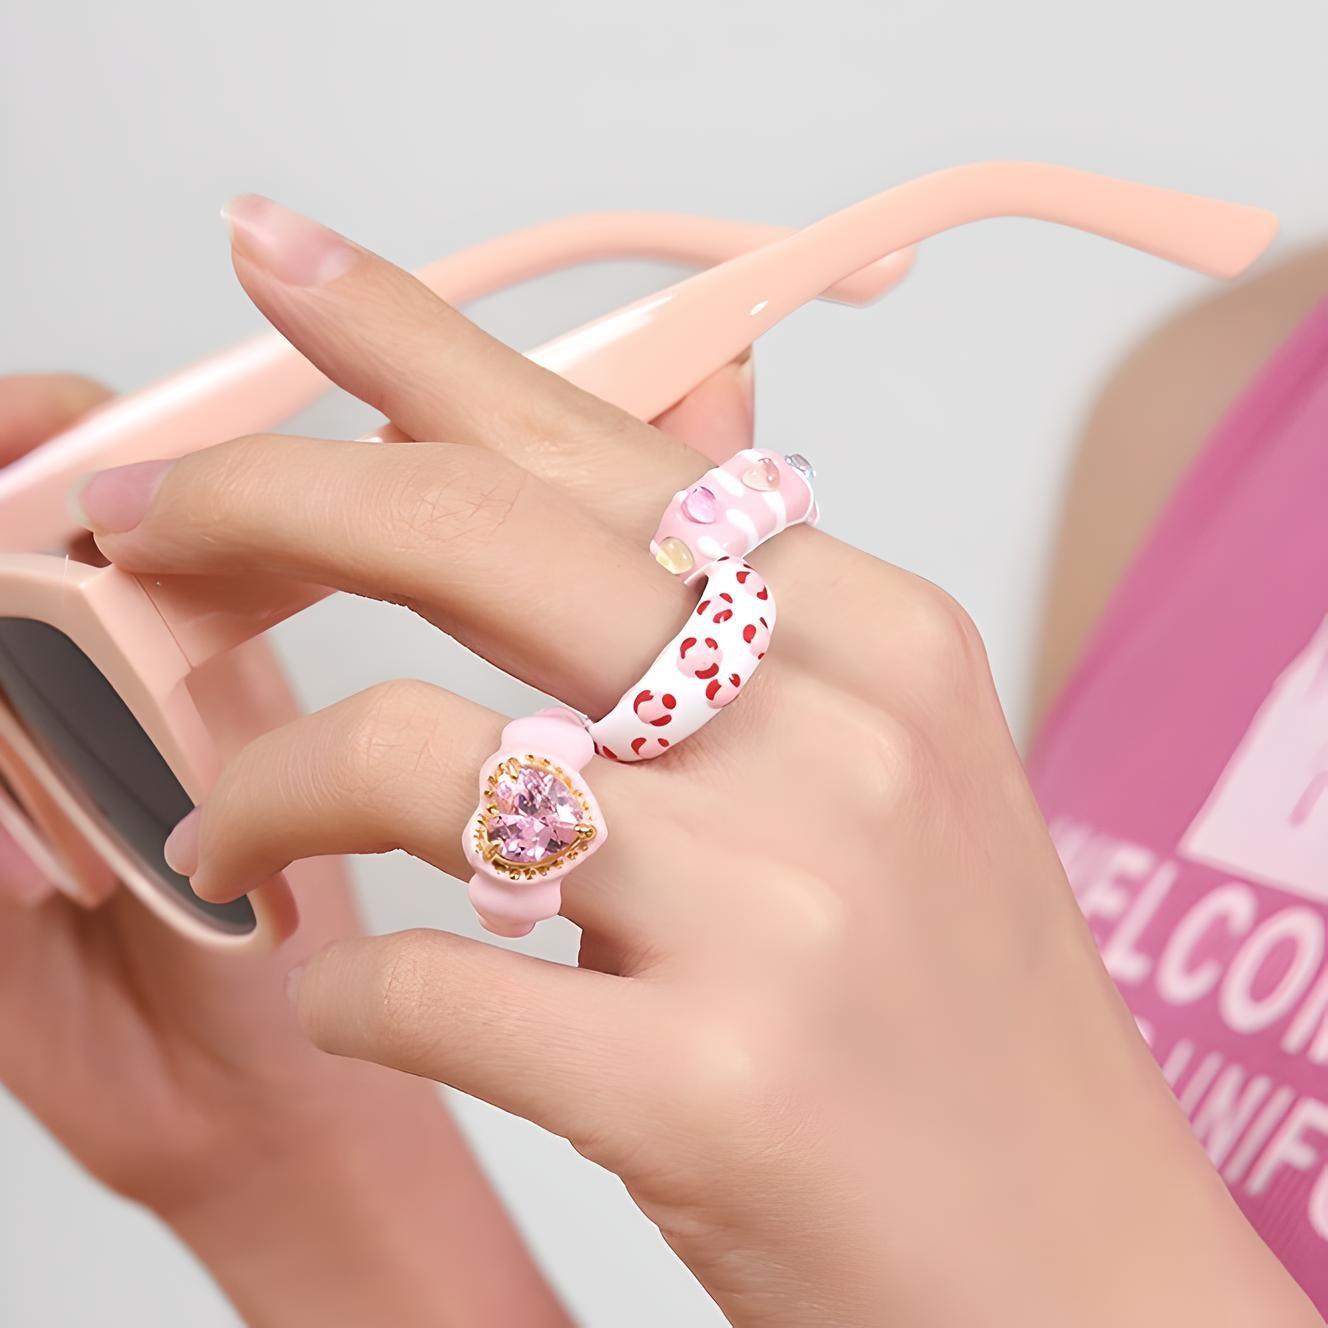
<point x="290" y="247"/>
<point x="293" y="979"/>
<point x="181" y="847"/>
<point x="111" y="502"/>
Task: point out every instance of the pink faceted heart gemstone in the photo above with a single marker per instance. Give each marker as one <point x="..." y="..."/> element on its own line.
<point x="699" y="504"/>
<point x="537" y="816"/>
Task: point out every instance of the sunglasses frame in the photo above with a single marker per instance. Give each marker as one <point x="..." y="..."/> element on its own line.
<point x="186" y="655"/>
<point x="114" y="622"/>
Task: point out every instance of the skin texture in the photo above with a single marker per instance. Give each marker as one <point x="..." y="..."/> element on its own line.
<point x="838" y="1023"/>
<point x="317" y="1191"/>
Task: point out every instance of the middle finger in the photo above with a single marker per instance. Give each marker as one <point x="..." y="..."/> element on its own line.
<point x="503" y="562"/>
<point x="394" y="767"/>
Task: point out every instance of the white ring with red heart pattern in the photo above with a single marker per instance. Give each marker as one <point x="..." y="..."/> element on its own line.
<point x="701" y="670"/>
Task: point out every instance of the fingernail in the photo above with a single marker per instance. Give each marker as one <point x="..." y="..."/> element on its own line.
<point x="111" y="502"/>
<point x="288" y="246"/>
<point x="293" y="979"/>
<point x="181" y="847"/>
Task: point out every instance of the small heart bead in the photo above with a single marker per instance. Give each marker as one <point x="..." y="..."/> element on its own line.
<point x="762" y="475"/>
<point x="674" y="556"/>
<point x="699" y="504"/>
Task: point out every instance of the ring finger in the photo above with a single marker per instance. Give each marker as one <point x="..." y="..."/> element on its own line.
<point x="392" y="767"/>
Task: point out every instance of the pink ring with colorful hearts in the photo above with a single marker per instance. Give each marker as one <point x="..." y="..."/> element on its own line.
<point x="733" y="508"/>
<point x="701" y="670"/>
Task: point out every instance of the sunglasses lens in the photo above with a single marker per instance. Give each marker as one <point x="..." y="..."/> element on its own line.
<point x="92" y="739"/>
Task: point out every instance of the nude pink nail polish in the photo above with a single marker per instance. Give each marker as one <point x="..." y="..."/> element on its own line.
<point x="114" y="501"/>
<point x="181" y="847"/>
<point x="288" y="246"/>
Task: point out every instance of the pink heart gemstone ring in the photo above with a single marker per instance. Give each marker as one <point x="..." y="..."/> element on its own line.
<point x="536" y="820"/>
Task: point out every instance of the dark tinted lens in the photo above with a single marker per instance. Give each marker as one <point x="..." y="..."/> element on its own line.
<point x="93" y="740"/>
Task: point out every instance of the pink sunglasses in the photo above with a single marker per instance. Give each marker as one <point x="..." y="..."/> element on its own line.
<point x="122" y="697"/>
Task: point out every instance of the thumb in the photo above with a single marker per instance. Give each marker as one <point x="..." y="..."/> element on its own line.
<point x="553" y="1044"/>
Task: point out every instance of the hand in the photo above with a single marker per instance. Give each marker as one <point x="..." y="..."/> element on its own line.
<point x="180" y="1079"/>
<point x="838" y="1024"/>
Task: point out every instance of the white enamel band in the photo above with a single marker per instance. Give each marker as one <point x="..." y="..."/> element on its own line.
<point x="701" y="670"/>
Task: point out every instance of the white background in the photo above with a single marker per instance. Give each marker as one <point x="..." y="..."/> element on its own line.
<point x="941" y="421"/>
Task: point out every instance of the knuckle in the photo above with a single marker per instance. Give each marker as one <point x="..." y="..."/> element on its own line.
<point x="223" y="478"/>
<point x="807" y="913"/>
<point x="941" y="635"/>
<point x="735" y="1075"/>
<point x="404" y="994"/>
<point x="390" y="726"/>
<point x="943" y="670"/>
<point x="446" y="492"/>
<point x="891" y="760"/>
<point x="722" y="1065"/>
<point x="396" y="703"/>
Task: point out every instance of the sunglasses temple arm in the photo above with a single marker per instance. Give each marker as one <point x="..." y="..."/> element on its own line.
<point x="649" y="355"/>
<point x="661" y="237"/>
<point x="261" y="382"/>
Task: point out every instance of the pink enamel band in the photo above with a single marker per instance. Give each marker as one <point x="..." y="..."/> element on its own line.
<point x="536" y="820"/>
<point x="701" y="670"/>
<point x="732" y="509"/>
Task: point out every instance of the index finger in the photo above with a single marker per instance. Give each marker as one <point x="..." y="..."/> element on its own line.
<point x="385" y="337"/>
